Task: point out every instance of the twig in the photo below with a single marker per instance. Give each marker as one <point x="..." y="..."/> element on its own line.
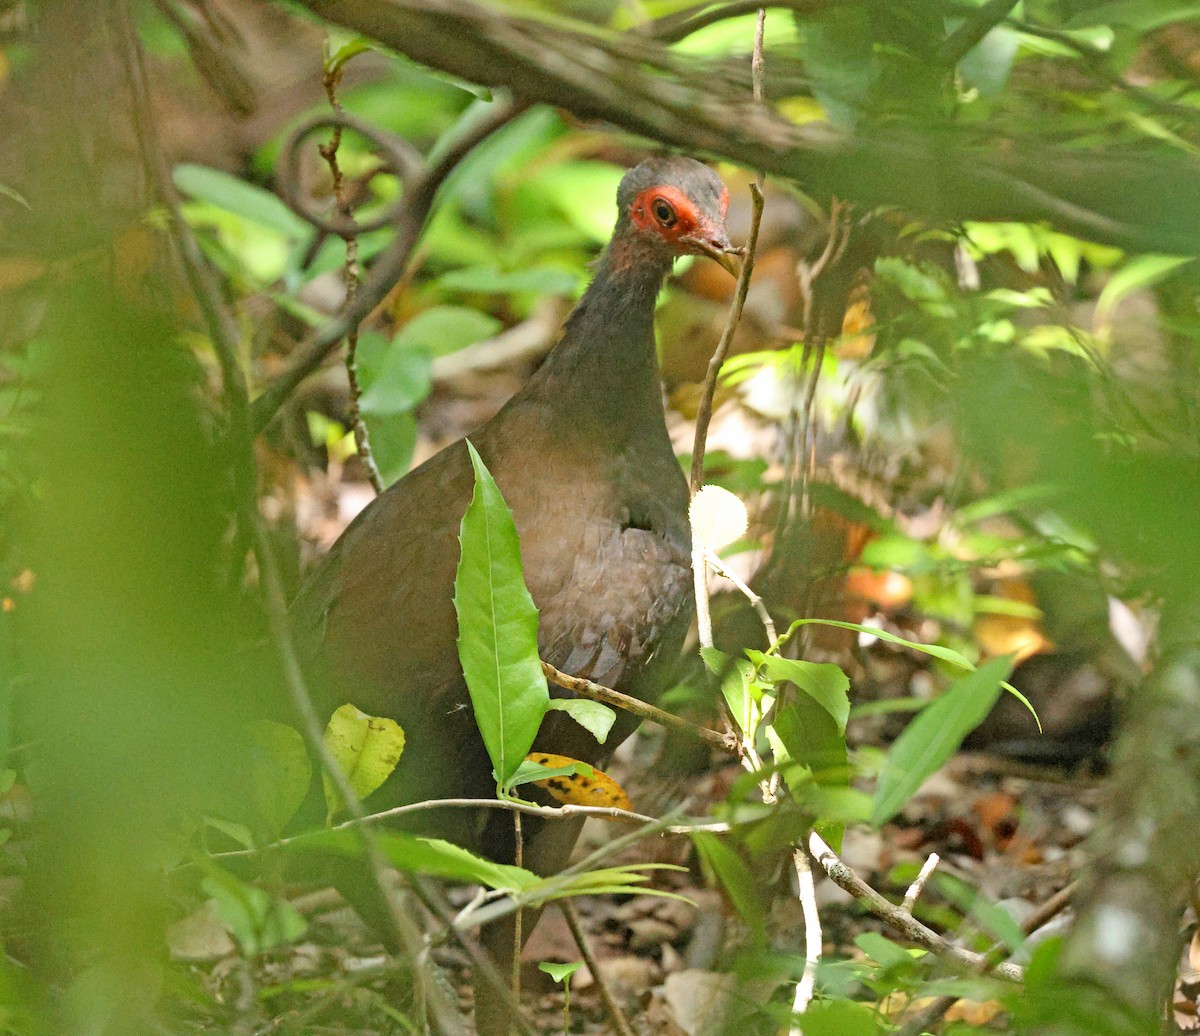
<point x="615" y="1014"/>
<point x="598" y="692"/>
<point x="903" y="922"/>
<point x="756" y="602"/>
<point x="351" y="274"/>
<point x="812" y="934"/>
<point x="928" y="1016"/>
<point x="564" y="812"/>
<point x="972" y="30"/>
<point x="388" y="267"/>
<point x="519" y="916"/>
<point x="918" y="886"/>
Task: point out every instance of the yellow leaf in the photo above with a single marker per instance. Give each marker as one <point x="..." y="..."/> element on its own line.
<point x="366" y="747"/>
<point x="576" y="789"/>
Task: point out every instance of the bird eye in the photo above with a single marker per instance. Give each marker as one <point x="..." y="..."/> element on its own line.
<point x="664" y="212"/>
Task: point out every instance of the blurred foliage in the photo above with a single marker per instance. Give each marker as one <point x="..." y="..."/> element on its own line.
<point x="1037" y="388"/>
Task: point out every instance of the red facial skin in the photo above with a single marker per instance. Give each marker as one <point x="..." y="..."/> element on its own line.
<point x="689" y="222"/>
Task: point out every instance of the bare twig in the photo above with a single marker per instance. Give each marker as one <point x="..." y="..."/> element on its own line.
<point x="756" y="602"/>
<point x="812" y="934"/>
<point x="600" y="693"/>
<point x="388" y="267"/>
<point x="918" y="886"/>
<point x="901" y="920"/>
<point x="351" y="274"/>
<point x="615" y="1014"/>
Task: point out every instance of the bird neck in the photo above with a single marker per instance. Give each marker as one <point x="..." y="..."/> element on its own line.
<point x="605" y="363"/>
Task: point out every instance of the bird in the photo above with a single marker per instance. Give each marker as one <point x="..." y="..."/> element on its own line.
<point x="582" y="456"/>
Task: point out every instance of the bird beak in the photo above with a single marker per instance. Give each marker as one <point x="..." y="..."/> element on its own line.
<point x="718" y="248"/>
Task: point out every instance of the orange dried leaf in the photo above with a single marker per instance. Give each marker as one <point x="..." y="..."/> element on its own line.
<point x="576" y="789"/>
<point x="1011" y="635"/>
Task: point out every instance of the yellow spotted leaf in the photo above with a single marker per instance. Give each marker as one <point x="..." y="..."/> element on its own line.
<point x="577" y="789"/>
<point x="366" y="747"/>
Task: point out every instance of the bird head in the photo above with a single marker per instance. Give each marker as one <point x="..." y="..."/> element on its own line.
<point x="669" y="207"/>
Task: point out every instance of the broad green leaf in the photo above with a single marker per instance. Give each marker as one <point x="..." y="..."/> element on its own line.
<point x="583" y="192"/>
<point x="805" y="735"/>
<point x="882" y="950"/>
<point x="595" y="717"/>
<point x="735" y="877"/>
<point x="839" y="1018"/>
<point x="446" y="329"/>
<point x="279" y="773"/>
<point x="430" y="856"/>
<point x="240" y="198"/>
<point x="395" y="378"/>
<point x="367" y="748"/>
<point x="543" y="280"/>
<point x="497" y="629"/>
<point x="824" y="681"/>
<point x="560" y="972"/>
<point x="934" y="735"/>
<point x="258" y="920"/>
<point x="735" y="675"/>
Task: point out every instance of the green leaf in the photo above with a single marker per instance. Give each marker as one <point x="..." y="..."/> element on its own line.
<point x="430" y="856"/>
<point x="367" y="748"/>
<point x="336" y="61"/>
<point x="529" y="771"/>
<point x="736" y="676"/>
<point x="991" y="917"/>
<point x="883" y="951"/>
<point x="839" y="1018"/>
<point x="258" y="920"/>
<point x="280" y="773"/>
<point x="824" y="681"/>
<point x="735" y="877"/>
<point x="395" y="377"/>
<point x="240" y="198"/>
<point x="446" y="329"/>
<point x="934" y="735"/>
<point x="595" y="717"/>
<point x="560" y="972"/>
<point x="543" y="280"/>
<point x="1142" y="271"/>
<point x="497" y="629"/>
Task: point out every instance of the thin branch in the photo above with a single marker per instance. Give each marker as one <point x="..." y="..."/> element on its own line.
<point x="807" y="892"/>
<point x="918" y="886"/>
<point x="901" y="920"/>
<point x="351" y="274"/>
<point x="615" y="1014"/>
<point x="972" y="30"/>
<point x="756" y="602"/>
<point x="598" y="692"/>
<point x="704" y="413"/>
<point x="388" y="267"/>
<point x="563" y="812"/>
